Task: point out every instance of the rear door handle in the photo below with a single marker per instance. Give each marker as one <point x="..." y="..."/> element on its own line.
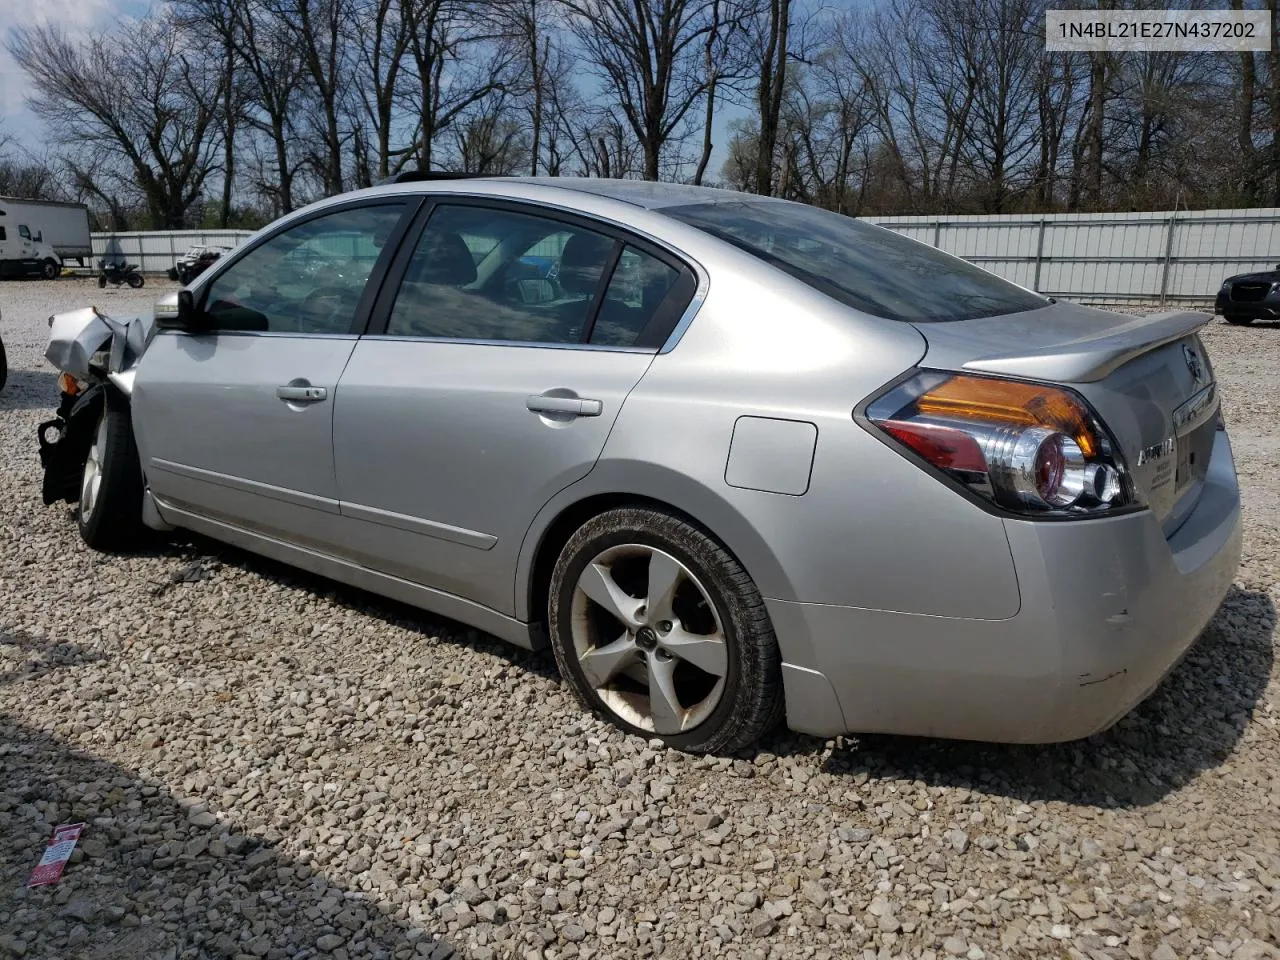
<point x="570" y="406"/>
<point x="297" y="394"/>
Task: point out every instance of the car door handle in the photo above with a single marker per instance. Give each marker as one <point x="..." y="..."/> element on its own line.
<point x="571" y="406"/>
<point x="297" y="394"/>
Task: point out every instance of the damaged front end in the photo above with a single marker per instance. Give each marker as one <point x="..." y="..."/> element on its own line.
<point x="97" y="355"/>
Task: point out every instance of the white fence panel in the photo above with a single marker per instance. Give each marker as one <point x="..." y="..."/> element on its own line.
<point x="1166" y="257"/>
<point x="1159" y="257"/>
<point x="155" y="251"/>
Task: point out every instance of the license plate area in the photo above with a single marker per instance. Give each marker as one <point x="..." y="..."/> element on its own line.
<point x="1194" y="424"/>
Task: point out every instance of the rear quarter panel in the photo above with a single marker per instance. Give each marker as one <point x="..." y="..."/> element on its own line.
<point x="872" y="529"/>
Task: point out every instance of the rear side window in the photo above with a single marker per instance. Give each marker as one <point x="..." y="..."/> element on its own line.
<point x="866" y="267"/>
<point x="638" y="287"/>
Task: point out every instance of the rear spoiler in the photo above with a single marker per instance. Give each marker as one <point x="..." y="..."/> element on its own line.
<point x="1094" y="357"/>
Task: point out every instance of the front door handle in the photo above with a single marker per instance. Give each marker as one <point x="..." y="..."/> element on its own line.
<point x="299" y="394"/>
<point x="565" y="406"/>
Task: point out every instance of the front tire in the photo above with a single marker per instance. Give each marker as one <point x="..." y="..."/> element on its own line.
<point x="660" y="630"/>
<point x="102" y="281"/>
<point x="49" y="269"/>
<point x="109" y="514"/>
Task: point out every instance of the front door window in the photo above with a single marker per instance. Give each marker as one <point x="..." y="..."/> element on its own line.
<point x="306" y="280"/>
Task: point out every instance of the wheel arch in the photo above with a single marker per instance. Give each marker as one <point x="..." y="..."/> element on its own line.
<point x="637" y="484"/>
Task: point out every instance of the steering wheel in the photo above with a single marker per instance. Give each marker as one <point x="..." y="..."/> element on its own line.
<point x="326" y="305"/>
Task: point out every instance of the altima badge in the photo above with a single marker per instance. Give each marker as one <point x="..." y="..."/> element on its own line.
<point x="1157" y="451"/>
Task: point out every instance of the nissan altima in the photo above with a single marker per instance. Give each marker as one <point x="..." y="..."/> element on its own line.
<point x="735" y="459"/>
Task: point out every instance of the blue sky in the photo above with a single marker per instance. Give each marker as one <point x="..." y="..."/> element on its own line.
<point x="79" y="18"/>
<point x="83" y="18"/>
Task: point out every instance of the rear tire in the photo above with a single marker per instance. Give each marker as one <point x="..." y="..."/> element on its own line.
<point x="135" y="280"/>
<point x="109" y="514"/>
<point x="4" y="367"/>
<point x="1240" y="321"/>
<point x="692" y="656"/>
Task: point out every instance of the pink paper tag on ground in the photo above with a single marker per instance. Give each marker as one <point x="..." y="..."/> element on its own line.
<point x="56" y="855"/>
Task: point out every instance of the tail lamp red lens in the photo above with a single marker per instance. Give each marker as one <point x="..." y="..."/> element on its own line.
<point x="1029" y="447"/>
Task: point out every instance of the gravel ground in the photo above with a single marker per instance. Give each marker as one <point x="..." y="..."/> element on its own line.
<point x="271" y="765"/>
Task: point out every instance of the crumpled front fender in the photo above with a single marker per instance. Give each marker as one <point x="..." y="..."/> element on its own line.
<point x="75" y="336"/>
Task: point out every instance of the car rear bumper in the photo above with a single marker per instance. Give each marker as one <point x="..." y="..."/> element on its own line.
<point x="1108" y="609"/>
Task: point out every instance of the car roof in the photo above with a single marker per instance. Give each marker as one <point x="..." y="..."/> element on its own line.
<point x="642" y="193"/>
<point x="647" y="194"/>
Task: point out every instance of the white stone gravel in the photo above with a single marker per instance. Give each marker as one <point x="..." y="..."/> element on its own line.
<point x="271" y="765"/>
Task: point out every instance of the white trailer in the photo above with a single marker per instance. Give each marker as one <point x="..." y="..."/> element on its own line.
<point x="36" y="236"/>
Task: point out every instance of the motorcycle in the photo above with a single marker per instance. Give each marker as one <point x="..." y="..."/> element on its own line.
<point x="117" y="273"/>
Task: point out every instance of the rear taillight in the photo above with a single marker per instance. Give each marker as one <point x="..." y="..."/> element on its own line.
<point x="1028" y="447"/>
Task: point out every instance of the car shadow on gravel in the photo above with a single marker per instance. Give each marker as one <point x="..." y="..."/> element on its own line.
<point x="1256" y="325"/>
<point x="155" y="876"/>
<point x="203" y="555"/>
<point x="26" y="656"/>
<point x="30" y="390"/>
<point x="1190" y="724"/>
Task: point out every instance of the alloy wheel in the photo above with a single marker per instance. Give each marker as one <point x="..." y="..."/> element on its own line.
<point x="91" y="479"/>
<point x="648" y="639"/>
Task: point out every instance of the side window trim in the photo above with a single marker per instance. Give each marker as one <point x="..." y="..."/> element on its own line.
<point x="673" y="307"/>
<point x="409" y="204"/>
<point x="651" y="339"/>
<point x="380" y="314"/>
<point x="602" y="287"/>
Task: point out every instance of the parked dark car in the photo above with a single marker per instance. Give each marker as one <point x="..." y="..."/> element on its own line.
<point x="195" y="262"/>
<point x="1247" y="297"/>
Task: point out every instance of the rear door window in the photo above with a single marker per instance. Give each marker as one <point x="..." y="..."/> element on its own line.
<point x="480" y="273"/>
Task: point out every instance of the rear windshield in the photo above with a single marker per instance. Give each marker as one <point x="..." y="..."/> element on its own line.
<point x="867" y="267"/>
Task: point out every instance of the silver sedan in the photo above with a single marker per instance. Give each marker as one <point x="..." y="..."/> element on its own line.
<point x="735" y="459"/>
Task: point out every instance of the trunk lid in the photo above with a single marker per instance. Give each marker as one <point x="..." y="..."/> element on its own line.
<point x="1149" y="379"/>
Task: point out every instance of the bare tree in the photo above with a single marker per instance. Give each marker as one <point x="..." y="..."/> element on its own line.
<point x="997" y="43"/>
<point x="144" y="98"/>
<point x="214" y="22"/>
<point x="726" y="57"/>
<point x="264" y="44"/>
<point x="1250" y="186"/>
<point x="464" y="38"/>
<point x="489" y="140"/>
<point x="538" y="59"/>
<point x="1057" y="87"/>
<point x="566" y="116"/>
<point x="320" y="32"/>
<point x="826" y="124"/>
<point x="381" y="38"/>
<point x="647" y="55"/>
<point x="770" y="34"/>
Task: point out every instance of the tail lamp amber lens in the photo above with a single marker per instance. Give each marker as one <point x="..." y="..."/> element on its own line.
<point x="1012" y="403"/>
